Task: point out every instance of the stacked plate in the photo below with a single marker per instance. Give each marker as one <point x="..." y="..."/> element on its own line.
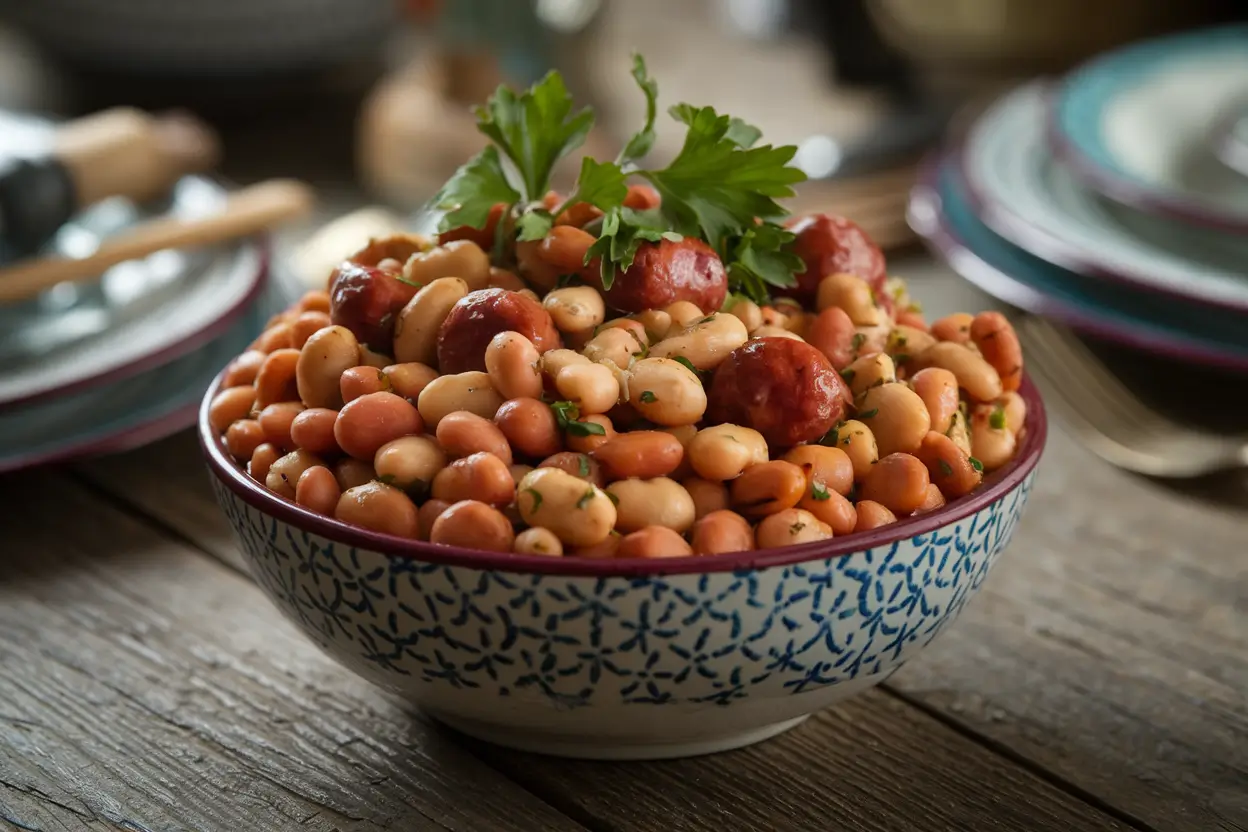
<point x="1109" y="200"/>
<point x="106" y="366"/>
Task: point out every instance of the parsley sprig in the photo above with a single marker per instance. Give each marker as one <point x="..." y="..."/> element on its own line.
<point x="722" y="187"/>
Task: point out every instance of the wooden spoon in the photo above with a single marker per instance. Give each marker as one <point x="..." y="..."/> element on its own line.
<point x="247" y="211"/>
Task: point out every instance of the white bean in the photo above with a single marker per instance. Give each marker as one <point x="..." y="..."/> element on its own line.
<point x="706" y="343"/>
<point x="471" y="391"/>
<point x="575" y="308"/>
<point x="654" y="502"/>
<point x="416" y="330"/>
<point x="577" y="512"/>
<point x="666" y="392"/>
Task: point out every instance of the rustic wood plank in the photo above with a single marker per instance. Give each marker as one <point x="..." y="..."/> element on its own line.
<point x="1111" y="646"/>
<point x="918" y="774"/>
<point x="146" y="687"/>
<point x="1117" y="661"/>
<point x="872" y="764"/>
<point x="169" y="481"/>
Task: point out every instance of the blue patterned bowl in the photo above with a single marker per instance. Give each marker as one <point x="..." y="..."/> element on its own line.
<point x="631" y="659"/>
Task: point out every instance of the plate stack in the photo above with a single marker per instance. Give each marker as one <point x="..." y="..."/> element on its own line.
<point x="1110" y="200"/>
<point x="104" y="366"/>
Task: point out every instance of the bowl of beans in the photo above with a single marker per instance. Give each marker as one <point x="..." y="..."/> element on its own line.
<point x="623" y="498"/>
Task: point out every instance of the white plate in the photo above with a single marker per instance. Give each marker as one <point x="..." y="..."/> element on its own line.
<point x="1136" y="124"/>
<point x="1038" y="204"/>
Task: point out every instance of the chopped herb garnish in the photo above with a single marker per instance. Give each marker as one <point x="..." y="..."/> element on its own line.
<point x="722" y="187"/>
<point x="707" y="319"/>
<point x="537" y="498"/>
<point x="585" y="498"/>
<point x="648" y="396"/>
<point x="946" y="469"/>
<point x="583" y="465"/>
<point x="416" y="283"/>
<point x="819" y="491"/>
<point x="997" y="419"/>
<point x="832" y="437"/>
<point x="686" y="362"/>
<point x="385" y="479"/>
<point x="796" y="527"/>
<point x="848" y="375"/>
<point x="611" y="496"/>
<point x="857" y="341"/>
<point x="977" y="465"/>
<point x="901" y="358"/>
<point x="586" y="429"/>
<point x="869" y="413"/>
<point x="565" y="412"/>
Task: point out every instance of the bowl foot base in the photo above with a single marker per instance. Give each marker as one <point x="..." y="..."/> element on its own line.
<point x="596" y="748"/>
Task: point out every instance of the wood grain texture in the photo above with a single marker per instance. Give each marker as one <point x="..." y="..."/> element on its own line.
<point x="872" y="764"/>
<point x="169" y="482"/>
<point x="1109" y="647"/>
<point x="146" y="687"/>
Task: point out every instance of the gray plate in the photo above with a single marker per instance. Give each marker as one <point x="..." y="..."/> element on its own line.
<point x="68" y="313"/>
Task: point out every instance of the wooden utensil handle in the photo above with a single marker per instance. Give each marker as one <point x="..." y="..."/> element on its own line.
<point x="246" y="211"/>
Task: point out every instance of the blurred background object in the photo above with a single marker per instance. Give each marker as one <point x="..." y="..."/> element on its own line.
<point x="370" y="102"/>
<point x="975" y="46"/>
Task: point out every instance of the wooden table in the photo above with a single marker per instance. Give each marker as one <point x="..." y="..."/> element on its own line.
<point x="1098" y="681"/>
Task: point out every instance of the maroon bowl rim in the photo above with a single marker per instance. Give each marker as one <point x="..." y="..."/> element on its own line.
<point x="191" y="342"/>
<point x="997" y="485"/>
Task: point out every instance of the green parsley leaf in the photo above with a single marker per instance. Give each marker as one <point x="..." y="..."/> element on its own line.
<point x="977" y="465"/>
<point x="534" y="225"/>
<point x="643" y="140"/>
<point x="742" y="135"/>
<point x="565" y="412"/>
<point x="585" y="498"/>
<point x="819" y="491"/>
<point x="716" y="188"/>
<point x="997" y="420"/>
<point x="686" y="362"/>
<point x="537" y="498"/>
<point x="796" y="527"/>
<point x="848" y="374"/>
<point x="600" y="184"/>
<point x="648" y="396"/>
<point x="586" y="429"/>
<point x="386" y="479"/>
<point x="623" y="232"/>
<point x="763" y="257"/>
<point x="868" y="414"/>
<point x="832" y="438"/>
<point x="946" y="469"/>
<point x="582" y="463"/>
<point x="614" y="501"/>
<point x="857" y="341"/>
<point x="535" y="129"/>
<point x="478" y="185"/>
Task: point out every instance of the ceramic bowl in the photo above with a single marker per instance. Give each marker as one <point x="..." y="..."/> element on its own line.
<point x="625" y="659"/>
